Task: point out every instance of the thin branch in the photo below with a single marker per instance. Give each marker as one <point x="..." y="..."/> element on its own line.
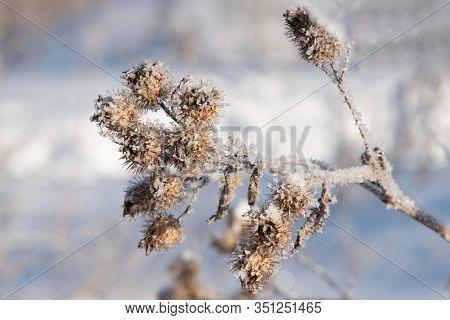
<point x="168" y="111"/>
<point x="322" y="274"/>
<point x="383" y="185"/>
<point x="402" y="204"/>
<point x="203" y="181"/>
<point x="340" y="83"/>
<point x="409" y="209"/>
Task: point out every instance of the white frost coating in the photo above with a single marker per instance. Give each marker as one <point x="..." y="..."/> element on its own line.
<point x="273" y="213"/>
<point x="341" y="177"/>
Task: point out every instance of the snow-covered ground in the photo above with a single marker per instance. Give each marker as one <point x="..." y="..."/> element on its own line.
<point x="61" y="184"/>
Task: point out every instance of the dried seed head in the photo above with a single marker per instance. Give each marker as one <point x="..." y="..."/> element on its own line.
<point x="168" y="189"/>
<point x="254" y="269"/>
<point x="295" y="200"/>
<point x="116" y="113"/>
<point x="157" y="192"/>
<point x="141" y="148"/>
<point x="197" y="100"/>
<point x="268" y="230"/>
<point x="314" y="43"/>
<point x="161" y="233"/>
<point x="138" y="198"/>
<point x="150" y="83"/>
<point x="188" y="148"/>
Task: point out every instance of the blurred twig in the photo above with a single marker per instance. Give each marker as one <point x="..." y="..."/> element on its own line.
<point x="327" y="278"/>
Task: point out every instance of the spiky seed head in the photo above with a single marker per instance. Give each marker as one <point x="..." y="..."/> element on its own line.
<point x="117" y="113"/>
<point x="314" y="43"/>
<point x="157" y="192"/>
<point x="272" y="231"/>
<point x="190" y="147"/>
<point x="267" y="230"/>
<point x="254" y="269"/>
<point x="161" y="234"/>
<point x="293" y="199"/>
<point x="138" y="197"/>
<point x="197" y="100"/>
<point x="150" y="82"/>
<point x="141" y="148"/>
<point x="168" y="190"/>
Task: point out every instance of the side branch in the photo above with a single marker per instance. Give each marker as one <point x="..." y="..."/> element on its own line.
<point x="405" y="206"/>
<point x="168" y="111"/>
<point x="395" y="200"/>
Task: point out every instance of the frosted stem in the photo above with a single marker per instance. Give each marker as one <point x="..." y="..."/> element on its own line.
<point x="339" y="80"/>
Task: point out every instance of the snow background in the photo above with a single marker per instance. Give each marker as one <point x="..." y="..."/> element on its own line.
<point x="61" y="184"/>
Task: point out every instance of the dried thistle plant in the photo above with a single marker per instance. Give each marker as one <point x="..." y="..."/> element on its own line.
<point x="174" y="162"/>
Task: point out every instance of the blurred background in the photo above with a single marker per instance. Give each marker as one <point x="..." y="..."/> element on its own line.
<point x="61" y="184"/>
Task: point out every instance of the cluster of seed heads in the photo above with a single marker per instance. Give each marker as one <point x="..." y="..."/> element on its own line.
<point x="170" y="161"/>
<point x="173" y="162"/>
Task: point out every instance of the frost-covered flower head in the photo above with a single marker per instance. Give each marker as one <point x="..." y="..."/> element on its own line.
<point x="150" y="82"/>
<point x="268" y="230"/>
<point x="159" y="191"/>
<point x="190" y="149"/>
<point x="161" y="233"/>
<point x="314" y="43"/>
<point x="197" y="100"/>
<point x="116" y="113"/>
<point x="266" y="236"/>
<point x="141" y="148"/>
<point x="254" y="269"/>
<point x="294" y="198"/>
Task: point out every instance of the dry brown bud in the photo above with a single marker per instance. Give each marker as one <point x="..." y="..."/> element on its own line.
<point x="316" y="220"/>
<point x="232" y="181"/>
<point x="253" y="187"/>
<point x="268" y="230"/>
